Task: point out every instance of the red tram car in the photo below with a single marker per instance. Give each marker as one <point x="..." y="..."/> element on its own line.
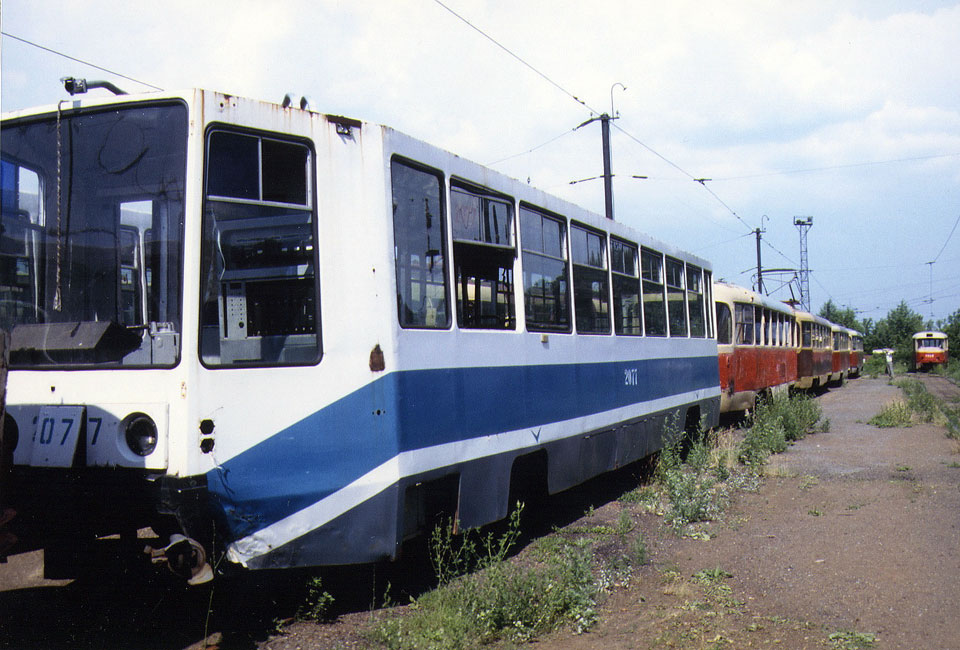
<point x="929" y="350"/>
<point x="840" y="359"/>
<point x="856" y="353"/>
<point x="814" y="351"/>
<point x="756" y="344"/>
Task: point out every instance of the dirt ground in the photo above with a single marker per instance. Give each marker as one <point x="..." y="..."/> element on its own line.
<point x="854" y="534"/>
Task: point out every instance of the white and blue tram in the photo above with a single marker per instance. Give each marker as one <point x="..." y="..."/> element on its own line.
<point x="295" y="338"/>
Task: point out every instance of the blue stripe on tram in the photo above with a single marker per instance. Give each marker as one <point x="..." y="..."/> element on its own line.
<point x="410" y="410"/>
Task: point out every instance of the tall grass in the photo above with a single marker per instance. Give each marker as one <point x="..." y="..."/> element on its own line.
<point x="776" y="423"/>
<point x="500" y="600"/>
<point x="922" y="406"/>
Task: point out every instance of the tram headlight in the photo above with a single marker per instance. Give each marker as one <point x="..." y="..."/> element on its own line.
<point x="140" y="433"/>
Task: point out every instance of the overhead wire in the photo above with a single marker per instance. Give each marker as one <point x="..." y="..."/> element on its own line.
<point x="952" y="230"/>
<point x="532" y="149"/>
<point x="834" y="167"/>
<point x="73" y="58"/>
<point x="517" y="57"/>
<point x="581" y="102"/>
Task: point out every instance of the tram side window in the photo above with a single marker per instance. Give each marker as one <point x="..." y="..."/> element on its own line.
<point x="22" y="247"/>
<point x="698" y="328"/>
<point x="419" y="235"/>
<point x="676" y="298"/>
<point x="708" y="292"/>
<point x="260" y="304"/>
<point x="590" y="285"/>
<point x="546" y="289"/>
<point x="654" y="307"/>
<point x="724" y="324"/>
<point x="483" y="257"/>
<point x="744" y="323"/>
<point x="807" y="335"/>
<point x="626" y="288"/>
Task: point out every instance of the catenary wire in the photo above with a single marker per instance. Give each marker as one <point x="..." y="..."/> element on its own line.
<point x="73" y="58"/>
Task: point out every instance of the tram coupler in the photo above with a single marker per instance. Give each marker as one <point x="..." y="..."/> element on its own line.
<point x="185" y="557"/>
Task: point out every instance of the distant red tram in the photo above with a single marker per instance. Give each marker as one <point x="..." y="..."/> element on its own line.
<point x="756" y="344"/>
<point x="840" y="359"/>
<point x="815" y="351"/>
<point x="856" y="353"/>
<point x="929" y="350"/>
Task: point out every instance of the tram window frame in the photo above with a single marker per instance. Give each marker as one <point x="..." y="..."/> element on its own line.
<point x="743" y="323"/>
<point x="625" y="276"/>
<point x="260" y="302"/>
<point x="695" y="301"/>
<point x="546" y="272"/>
<point x="653" y="289"/>
<point x="484" y="256"/>
<point x="708" y="300"/>
<point x="591" y="281"/>
<point x="424" y="271"/>
<point x="724" y="324"/>
<point x="675" y="280"/>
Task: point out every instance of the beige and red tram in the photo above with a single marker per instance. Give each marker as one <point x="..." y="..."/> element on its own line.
<point x="856" y="353"/>
<point x="840" y="358"/>
<point x="756" y="344"/>
<point x="929" y="350"/>
<point x="814" y="351"/>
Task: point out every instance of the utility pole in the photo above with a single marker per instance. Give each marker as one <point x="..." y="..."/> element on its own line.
<point x="607" y="174"/>
<point x="605" y="135"/>
<point x="759" y="265"/>
<point x="804" y="224"/>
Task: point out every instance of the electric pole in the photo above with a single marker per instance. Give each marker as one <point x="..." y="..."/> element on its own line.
<point x="804" y="224"/>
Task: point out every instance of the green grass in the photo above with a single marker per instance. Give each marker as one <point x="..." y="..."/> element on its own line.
<point x="776" y="423"/>
<point x="851" y="640"/>
<point x="921" y="405"/>
<point x="892" y="414"/>
<point x="484" y="599"/>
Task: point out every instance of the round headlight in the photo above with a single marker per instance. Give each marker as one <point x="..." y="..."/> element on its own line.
<point x="140" y="433"/>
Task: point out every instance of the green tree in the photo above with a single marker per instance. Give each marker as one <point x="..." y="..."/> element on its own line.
<point x="896" y="331"/>
<point x="951" y="327"/>
<point x="846" y="317"/>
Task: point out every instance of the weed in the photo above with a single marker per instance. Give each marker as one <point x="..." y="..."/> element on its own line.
<point x="850" y="640"/>
<point x="816" y="512"/>
<point x="902" y="468"/>
<point x="502" y="600"/>
<point x="455" y="555"/>
<point x="317" y="603"/>
<point x="892" y="414"/>
<point x="775" y="423"/>
<point x="638" y="550"/>
<point x="624" y="523"/>
<point x="808" y="482"/>
<point x="954" y="464"/>
<point x="711" y="576"/>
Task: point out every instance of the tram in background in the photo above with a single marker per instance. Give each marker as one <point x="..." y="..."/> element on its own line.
<point x="856" y="353"/>
<point x="298" y="339"/>
<point x="756" y="345"/>
<point x="930" y="349"/>
<point x="814" y="350"/>
<point x="840" y="359"/>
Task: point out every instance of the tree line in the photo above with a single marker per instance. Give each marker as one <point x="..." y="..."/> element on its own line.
<point x="896" y="330"/>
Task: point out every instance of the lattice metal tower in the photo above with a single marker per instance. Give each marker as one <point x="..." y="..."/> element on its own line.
<point x="803" y="224"/>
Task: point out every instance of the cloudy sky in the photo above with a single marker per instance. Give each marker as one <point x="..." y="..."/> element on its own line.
<point x="848" y="112"/>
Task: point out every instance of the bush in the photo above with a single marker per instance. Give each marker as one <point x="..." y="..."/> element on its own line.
<point x="892" y="414"/>
<point x="776" y="422"/>
<point x="501" y="600"/>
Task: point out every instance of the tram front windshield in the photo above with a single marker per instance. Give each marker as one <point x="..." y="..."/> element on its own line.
<point x="91" y="236"/>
